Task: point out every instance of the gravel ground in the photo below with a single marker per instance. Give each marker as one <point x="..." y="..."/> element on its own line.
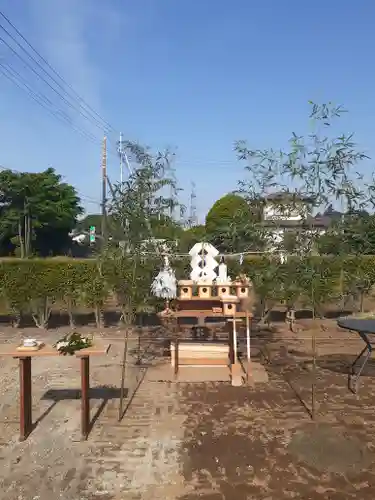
<point x="188" y="441"/>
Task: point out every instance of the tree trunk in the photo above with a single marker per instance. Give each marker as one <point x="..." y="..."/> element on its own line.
<point x="361" y="298"/>
<point x="20" y="237"/>
<point x="42" y="314"/>
<point x="27" y="235"/>
<point x="342" y="295"/>
<point x="26" y="229"/>
<point x="70" y="314"/>
<point x="16" y="319"/>
<point x="99" y="317"/>
<point x="313" y="302"/>
<point x="123" y="374"/>
<point x="290" y="318"/>
<point x="313" y="384"/>
<point x="71" y="319"/>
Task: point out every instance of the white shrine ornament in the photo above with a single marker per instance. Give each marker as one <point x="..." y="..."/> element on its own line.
<point x="203" y="262"/>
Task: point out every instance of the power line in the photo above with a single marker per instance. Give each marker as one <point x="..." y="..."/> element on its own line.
<point x="84" y="109"/>
<point x="44" y="101"/>
<point x="42" y="78"/>
<point x="72" y="99"/>
<point x="11" y="75"/>
<point x="76" y="101"/>
<point x="91" y="201"/>
<point x="19" y="77"/>
<point x="94" y="115"/>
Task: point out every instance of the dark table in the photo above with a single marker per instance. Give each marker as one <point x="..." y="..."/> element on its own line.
<point x="366" y="330"/>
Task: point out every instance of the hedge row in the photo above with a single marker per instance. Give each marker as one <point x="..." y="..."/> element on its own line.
<point x="34" y="286"/>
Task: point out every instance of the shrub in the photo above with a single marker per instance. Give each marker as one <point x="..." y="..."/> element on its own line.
<point x="33" y="286"/>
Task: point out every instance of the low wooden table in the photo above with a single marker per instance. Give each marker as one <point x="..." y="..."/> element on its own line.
<point x="25" y="357"/>
<point x="202" y="315"/>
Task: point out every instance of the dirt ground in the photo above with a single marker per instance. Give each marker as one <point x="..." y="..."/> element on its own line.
<point x="186" y="441"/>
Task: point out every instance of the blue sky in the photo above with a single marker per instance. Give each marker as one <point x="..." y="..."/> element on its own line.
<point x="193" y="75"/>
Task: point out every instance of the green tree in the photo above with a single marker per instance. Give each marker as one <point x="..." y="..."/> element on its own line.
<point x="358" y="234"/>
<point x="230" y="224"/>
<point x="37" y="212"/>
<point x="191" y="236"/>
<point x="353" y="234"/>
<point x="166" y="228"/>
<point x="331" y="242"/>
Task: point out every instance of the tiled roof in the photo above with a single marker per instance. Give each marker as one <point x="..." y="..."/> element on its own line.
<point x="285" y="195"/>
<point x="315" y="222"/>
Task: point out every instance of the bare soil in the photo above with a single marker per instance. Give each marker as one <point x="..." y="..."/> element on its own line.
<point x="188" y="441"/>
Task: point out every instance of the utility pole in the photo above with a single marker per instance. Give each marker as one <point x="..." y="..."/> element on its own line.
<point x="104" y="191"/>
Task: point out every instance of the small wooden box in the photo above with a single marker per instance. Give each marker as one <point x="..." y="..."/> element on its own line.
<point x="204" y="291"/>
<point x="223" y="289"/>
<point x="186" y="289"/>
<point x="229" y="308"/>
<point x="242" y="290"/>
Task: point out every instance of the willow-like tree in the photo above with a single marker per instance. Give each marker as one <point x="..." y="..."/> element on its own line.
<point x="322" y="167"/>
<point x="147" y="202"/>
<point x="144" y="207"/>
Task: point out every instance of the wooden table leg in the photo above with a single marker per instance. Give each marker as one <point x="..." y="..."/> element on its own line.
<point x="234" y="335"/>
<point x="26" y="419"/>
<point x="176" y="357"/>
<point x="230" y="342"/>
<point x="85" y="403"/>
<point x="248" y="351"/>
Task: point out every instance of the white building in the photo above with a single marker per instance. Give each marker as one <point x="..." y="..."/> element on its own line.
<point x="290" y="212"/>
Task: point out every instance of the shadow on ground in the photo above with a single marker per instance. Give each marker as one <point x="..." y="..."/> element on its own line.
<point x="103" y="393"/>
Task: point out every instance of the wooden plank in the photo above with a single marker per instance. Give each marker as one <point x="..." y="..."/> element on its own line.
<point x="201" y="354"/>
<point x="11" y="350"/>
<point x="199" y="313"/>
<point x="196" y="313"/>
<point x="95" y="350"/>
<point x="203" y="361"/>
<point x="185" y="351"/>
<point x="201" y="347"/>
<point x="213" y="298"/>
<point x="48" y="350"/>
